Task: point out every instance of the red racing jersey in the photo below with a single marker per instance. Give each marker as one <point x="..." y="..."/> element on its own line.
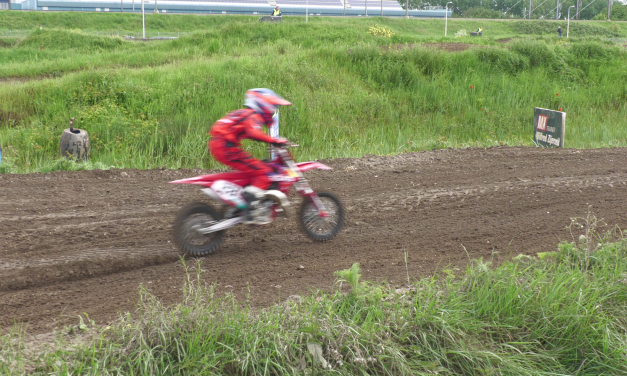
<point x="240" y="125"/>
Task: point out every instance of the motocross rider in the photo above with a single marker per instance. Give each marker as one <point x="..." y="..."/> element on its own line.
<point x="228" y="133"/>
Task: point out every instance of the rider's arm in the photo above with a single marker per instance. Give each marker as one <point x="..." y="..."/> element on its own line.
<point x="254" y="130"/>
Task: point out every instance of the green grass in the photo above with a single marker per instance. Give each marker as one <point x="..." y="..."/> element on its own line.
<point x="146" y="105"/>
<point x="564" y="314"/>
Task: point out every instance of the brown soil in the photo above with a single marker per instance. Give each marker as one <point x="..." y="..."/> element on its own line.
<point x="75" y="242"/>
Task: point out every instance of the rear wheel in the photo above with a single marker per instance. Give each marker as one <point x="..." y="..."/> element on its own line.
<point x="189" y="221"/>
<point x="322" y="227"/>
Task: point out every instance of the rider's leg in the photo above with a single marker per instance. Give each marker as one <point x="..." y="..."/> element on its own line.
<point x="253" y="193"/>
<point x="256" y="169"/>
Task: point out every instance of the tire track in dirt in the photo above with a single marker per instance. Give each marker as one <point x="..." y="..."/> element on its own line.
<point x="75" y="242"/>
<point x="415" y="196"/>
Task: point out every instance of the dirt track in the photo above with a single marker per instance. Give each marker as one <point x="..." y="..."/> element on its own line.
<point x="74" y="242"/>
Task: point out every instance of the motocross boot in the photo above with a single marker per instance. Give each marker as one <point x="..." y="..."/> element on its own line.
<point x="252" y="195"/>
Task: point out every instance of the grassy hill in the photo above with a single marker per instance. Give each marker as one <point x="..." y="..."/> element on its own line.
<point x="149" y="104"/>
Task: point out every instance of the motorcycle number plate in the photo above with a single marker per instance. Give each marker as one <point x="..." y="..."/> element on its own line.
<point x="227" y="191"/>
<point x="279" y="177"/>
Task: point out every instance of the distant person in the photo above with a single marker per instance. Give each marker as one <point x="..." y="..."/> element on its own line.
<point x="41" y="27"/>
<point x="559" y="31"/>
<point x="276" y="12"/>
<point x="480" y="29"/>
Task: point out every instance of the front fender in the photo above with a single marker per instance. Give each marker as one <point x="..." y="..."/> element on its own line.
<point x="306" y="166"/>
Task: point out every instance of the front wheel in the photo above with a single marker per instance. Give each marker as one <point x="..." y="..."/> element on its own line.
<point x="189" y="221"/>
<point x="319" y="226"/>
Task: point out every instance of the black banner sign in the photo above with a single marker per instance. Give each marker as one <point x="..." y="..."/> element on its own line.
<point x="549" y="127"/>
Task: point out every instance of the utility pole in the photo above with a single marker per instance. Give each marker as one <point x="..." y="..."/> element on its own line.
<point x="121" y="5"/>
<point x="609" y="8"/>
<point x="568" y="23"/>
<point x="143" y="19"/>
<point x="407" y="9"/>
<point x="344" y="1"/>
<point x="529" y="9"/>
<point x="366" y="6"/>
<point x="557" y="10"/>
<point x="381" y="8"/>
<point x="446" y="16"/>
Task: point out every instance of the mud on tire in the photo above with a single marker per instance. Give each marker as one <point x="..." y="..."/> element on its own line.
<point x="194" y="216"/>
<point x="319" y="228"/>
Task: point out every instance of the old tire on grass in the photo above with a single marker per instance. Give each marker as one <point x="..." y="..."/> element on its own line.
<point x="74" y="144"/>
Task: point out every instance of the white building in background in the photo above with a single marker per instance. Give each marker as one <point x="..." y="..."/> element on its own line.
<point x="259" y="7"/>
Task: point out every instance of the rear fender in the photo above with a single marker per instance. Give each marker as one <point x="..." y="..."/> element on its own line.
<point x="209" y="192"/>
<point x="237" y="177"/>
<point x="199" y="180"/>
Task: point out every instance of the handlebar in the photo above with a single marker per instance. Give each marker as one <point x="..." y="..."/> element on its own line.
<point x="284" y="146"/>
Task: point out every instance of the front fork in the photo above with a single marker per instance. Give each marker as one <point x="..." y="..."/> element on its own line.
<point x="303" y="187"/>
<point x="306" y="191"/>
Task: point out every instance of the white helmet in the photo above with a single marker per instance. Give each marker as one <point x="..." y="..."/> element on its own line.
<point x="264" y="102"/>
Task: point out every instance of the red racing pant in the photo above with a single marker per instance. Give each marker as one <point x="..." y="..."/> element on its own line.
<point x="231" y="155"/>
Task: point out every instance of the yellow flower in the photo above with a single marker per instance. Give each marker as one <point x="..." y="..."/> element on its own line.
<point x="380" y="31"/>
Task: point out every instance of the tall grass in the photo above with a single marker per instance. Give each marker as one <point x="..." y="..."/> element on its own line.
<point x="149" y="105"/>
<point x="556" y="316"/>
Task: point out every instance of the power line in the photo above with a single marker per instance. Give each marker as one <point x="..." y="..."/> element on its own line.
<point x="587" y="6"/>
<point x="538" y="7"/>
<point x="507" y="10"/>
<point x="551" y="11"/>
<point x="590" y="3"/>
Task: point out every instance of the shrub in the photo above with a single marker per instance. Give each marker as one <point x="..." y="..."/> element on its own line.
<point x="592" y="50"/>
<point x="619" y="12"/>
<point x="503" y="60"/>
<point x="478" y="12"/>
<point x="599" y="17"/>
<point x="72" y="39"/>
<point x="539" y="54"/>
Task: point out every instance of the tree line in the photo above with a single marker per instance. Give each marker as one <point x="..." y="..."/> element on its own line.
<point x="540" y="9"/>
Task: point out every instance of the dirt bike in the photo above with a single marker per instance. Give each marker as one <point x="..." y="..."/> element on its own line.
<point x="199" y="228"/>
